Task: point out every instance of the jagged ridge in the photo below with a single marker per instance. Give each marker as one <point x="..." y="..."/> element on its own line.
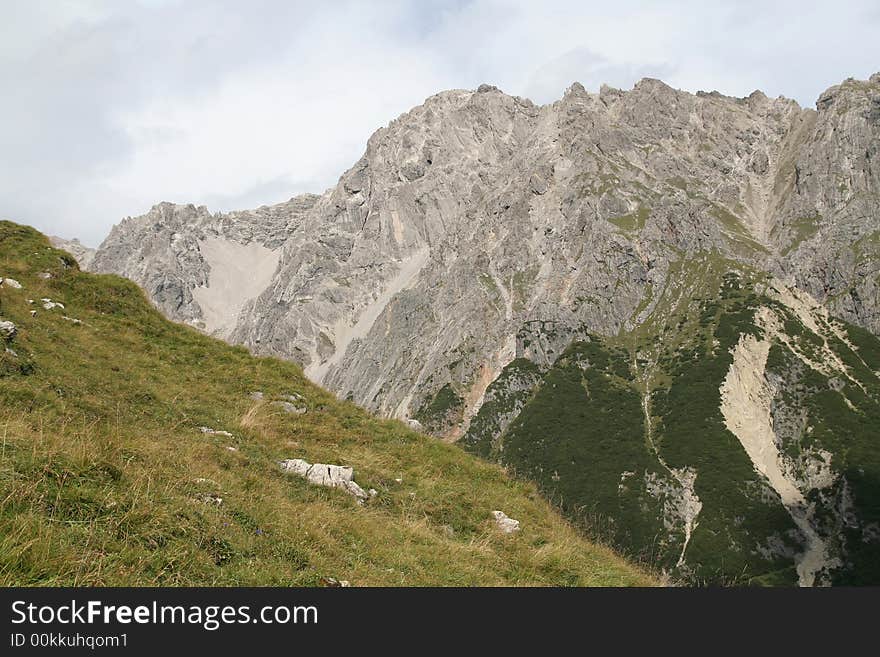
<point x="478" y="212"/>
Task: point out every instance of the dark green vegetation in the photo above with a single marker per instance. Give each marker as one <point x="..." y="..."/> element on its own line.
<point x="503" y="401"/>
<point x="615" y="430"/>
<point x="842" y="417"/>
<point x="444" y="409"/>
<point x="586" y="417"/>
<point x="106" y="479"/>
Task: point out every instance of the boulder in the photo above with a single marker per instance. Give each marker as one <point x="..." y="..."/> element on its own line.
<point x="330" y="476"/>
<point x="505" y="524"/>
<point x="288" y="407"/>
<point x="7" y="330"/>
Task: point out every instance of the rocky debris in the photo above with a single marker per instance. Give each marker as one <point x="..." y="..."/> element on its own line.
<point x="10" y="283"/>
<point x="81" y="253"/>
<point x="293" y="397"/>
<point x="48" y="304"/>
<point x="289" y="407"/>
<point x="505" y="524"/>
<point x="72" y="320"/>
<point x="415" y="425"/>
<point x="8" y="330"/>
<point x="331" y="476"/>
<point x="214" y="432"/>
<point x="333" y="583"/>
<point x="257" y="396"/>
<point x="212" y="499"/>
<point x="44" y="275"/>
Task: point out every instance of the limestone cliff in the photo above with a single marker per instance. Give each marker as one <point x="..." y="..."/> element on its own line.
<point x="478" y="212"/>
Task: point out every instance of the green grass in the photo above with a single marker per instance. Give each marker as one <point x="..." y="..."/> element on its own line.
<point x="632" y="222"/>
<point x="802" y="229"/>
<point x="103" y="470"/>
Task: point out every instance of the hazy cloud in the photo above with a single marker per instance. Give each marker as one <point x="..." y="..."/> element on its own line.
<point x="110" y="107"/>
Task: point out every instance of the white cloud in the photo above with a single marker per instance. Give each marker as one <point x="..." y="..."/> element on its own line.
<point x="110" y="107"/>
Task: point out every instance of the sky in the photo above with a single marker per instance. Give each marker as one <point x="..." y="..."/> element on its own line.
<point x="108" y="107"/>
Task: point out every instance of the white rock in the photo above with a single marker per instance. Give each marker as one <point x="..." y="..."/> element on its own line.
<point x="211" y="498"/>
<point x="296" y="466"/>
<point x="7" y="330"/>
<point x="10" y="282"/>
<point x="214" y="432"/>
<point x="70" y="319"/>
<point x="332" y="582"/>
<point x="257" y="396"/>
<point x="48" y="304"/>
<point x="322" y="474"/>
<point x="44" y="275"/>
<point x="505" y="524"/>
<point x="414" y="424"/>
<point x="287" y="407"/>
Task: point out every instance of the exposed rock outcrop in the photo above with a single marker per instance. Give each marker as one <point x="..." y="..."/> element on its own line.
<point x="332" y="476"/>
<point x="477" y="212"/>
<point x="81" y="253"/>
<point x="8" y="330"/>
<point x="505" y="524"/>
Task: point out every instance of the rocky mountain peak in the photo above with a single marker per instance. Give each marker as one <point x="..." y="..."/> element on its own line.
<point x="478" y="212"/>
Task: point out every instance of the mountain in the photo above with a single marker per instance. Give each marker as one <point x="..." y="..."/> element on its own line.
<point x="137" y="451"/>
<point x="734" y="440"/>
<point x="82" y="253"/>
<point x="482" y="238"/>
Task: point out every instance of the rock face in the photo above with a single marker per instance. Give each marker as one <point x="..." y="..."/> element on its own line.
<point x="197" y="267"/>
<point x="81" y="253"/>
<point x="477" y="213"/>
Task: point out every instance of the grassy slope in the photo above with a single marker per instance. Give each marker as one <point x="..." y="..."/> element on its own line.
<point x="101" y="454"/>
